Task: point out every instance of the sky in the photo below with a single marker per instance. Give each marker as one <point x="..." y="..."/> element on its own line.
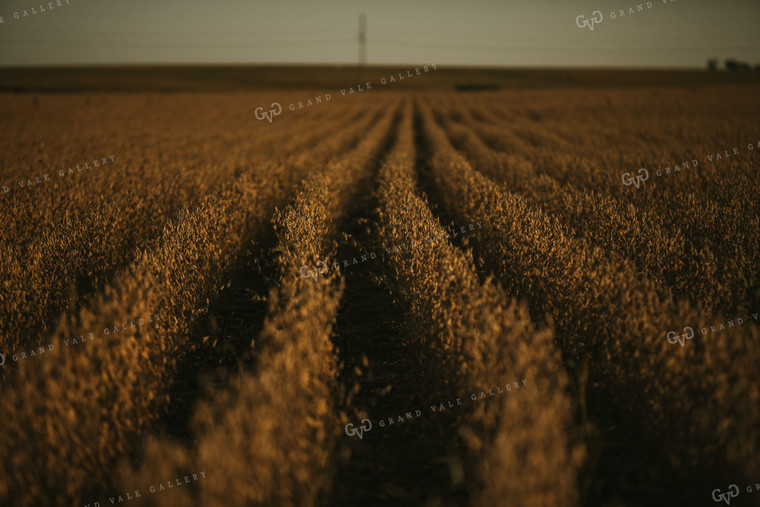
<point x="500" y="33"/>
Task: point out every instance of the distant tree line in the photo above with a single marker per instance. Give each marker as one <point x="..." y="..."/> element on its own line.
<point x="730" y="64"/>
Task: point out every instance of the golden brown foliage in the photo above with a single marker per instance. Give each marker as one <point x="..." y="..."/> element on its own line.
<point x="572" y="283"/>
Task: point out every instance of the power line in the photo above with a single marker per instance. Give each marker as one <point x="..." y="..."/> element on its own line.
<point x="452" y="46"/>
<point x="560" y="47"/>
<point x="141" y="44"/>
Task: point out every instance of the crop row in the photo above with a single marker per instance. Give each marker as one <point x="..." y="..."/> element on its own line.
<point x="59" y="271"/>
<point x="613" y="324"/>
<point x="471" y="336"/>
<point x="722" y="232"/>
<point x="70" y="419"/>
<point x="663" y="255"/>
<point x="270" y="437"/>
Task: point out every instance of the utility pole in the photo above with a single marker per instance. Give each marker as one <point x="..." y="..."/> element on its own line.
<point x="362" y="40"/>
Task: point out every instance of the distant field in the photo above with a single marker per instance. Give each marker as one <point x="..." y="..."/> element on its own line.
<point x="230" y="78"/>
<point x="245" y="295"/>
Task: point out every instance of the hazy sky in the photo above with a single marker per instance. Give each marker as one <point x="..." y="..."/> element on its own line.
<point x="681" y="33"/>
